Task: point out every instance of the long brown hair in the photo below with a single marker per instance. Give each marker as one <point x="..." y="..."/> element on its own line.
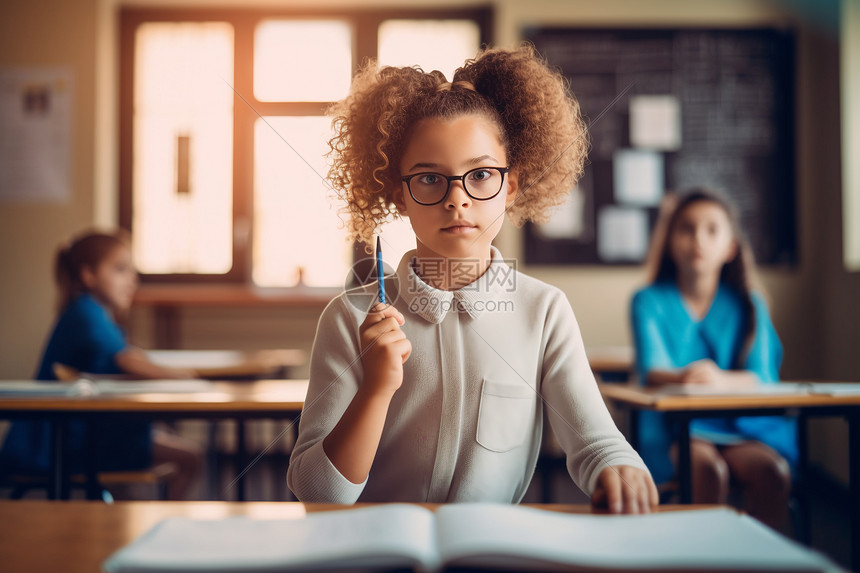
<point x="738" y="273"/>
<point x="88" y="249"/>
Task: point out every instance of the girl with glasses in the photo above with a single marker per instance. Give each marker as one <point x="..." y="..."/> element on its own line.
<point x="439" y="394"/>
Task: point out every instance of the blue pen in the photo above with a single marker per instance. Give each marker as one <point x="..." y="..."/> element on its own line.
<point x="380" y="277"/>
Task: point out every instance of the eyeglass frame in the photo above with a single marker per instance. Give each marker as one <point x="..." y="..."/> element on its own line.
<point x="450" y="178"/>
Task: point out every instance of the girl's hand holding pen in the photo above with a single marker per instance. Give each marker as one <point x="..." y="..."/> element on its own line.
<point x="384" y="348"/>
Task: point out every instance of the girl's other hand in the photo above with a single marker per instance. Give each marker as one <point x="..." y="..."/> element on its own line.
<point x="384" y="349"/>
<point x="625" y="489"/>
<point x="703" y="373"/>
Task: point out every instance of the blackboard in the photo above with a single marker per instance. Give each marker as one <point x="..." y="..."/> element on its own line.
<point x="734" y="90"/>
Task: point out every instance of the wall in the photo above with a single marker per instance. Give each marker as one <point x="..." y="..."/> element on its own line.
<point x="44" y="33"/>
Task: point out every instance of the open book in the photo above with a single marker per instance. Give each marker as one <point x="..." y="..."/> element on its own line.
<point x="489" y="536"/>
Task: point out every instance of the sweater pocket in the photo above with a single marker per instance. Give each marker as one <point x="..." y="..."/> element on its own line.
<point x="506" y="415"/>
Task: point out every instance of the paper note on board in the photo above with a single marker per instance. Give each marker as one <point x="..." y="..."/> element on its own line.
<point x="638" y="177"/>
<point x="567" y="221"/>
<point x="622" y="234"/>
<point x="655" y="122"/>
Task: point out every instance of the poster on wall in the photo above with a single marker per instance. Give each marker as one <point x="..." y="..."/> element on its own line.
<point x="35" y="134"/>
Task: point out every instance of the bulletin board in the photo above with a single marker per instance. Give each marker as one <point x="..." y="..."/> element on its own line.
<point x="671" y="110"/>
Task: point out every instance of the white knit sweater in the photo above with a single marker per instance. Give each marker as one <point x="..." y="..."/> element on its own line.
<point x="466" y="423"/>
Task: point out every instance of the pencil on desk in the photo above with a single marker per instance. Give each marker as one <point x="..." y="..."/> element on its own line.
<point x="380" y="277"/>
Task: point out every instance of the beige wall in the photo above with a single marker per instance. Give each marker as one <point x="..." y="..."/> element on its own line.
<point x="814" y="306"/>
<point x="44" y="33"/>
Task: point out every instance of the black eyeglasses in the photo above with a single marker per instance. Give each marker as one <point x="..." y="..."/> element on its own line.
<point x="481" y="184"/>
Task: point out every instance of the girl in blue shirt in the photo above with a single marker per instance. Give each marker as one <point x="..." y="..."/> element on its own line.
<point x="700" y="323"/>
<point x="97" y="281"/>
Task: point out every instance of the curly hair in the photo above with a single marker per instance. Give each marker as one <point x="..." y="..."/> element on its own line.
<point x="540" y="125"/>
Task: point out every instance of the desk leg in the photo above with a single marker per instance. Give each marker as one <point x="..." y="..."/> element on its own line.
<point x="94" y="490"/>
<point x="854" y="480"/>
<point x="241" y="459"/>
<point x="58" y="483"/>
<point x="801" y="494"/>
<point x="685" y="469"/>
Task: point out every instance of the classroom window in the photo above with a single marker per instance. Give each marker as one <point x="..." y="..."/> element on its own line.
<point x="223" y="135"/>
<point x="183" y="142"/>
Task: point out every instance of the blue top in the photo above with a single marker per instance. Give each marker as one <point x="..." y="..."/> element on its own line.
<point x="85" y="338"/>
<point x="668" y="337"/>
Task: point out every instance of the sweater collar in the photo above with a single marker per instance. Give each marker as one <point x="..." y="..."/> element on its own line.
<point x="433" y="304"/>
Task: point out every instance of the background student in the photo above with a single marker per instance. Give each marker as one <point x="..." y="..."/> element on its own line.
<point x="701" y="323"/>
<point x="96" y="284"/>
<point x="439" y="396"/>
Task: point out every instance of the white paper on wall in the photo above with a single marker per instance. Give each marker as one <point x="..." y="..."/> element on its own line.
<point x="622" y="234"/>
<point x="655" y="122"/>
<point x="567" y="220"/>
<point x="638" y="177"/>
<point x="35" y="134"/>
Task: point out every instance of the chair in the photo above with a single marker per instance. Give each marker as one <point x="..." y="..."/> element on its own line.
<point x="157" y="475"/>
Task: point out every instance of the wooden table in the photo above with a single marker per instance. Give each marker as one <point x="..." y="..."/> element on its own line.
<point x="232" y="364"/>
<point x="684" y="408"/>
<point x="611" y="363"/>
<point x="77" y="536"/>
<point x="239" y="401"/>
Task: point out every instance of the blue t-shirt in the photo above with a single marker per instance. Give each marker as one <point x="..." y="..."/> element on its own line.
<point x="86" y="338"/>
<point x="668" y="337"/>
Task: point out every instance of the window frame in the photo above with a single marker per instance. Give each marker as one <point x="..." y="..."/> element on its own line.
<point x="365" y="25"/>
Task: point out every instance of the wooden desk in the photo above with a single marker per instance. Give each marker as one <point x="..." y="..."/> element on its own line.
<point x="684" y="408"/>
<point x="77" y="536"/>
<point x="233" y="400"/>
<point x="611" y="363"/>
<point x="221" y="364"/>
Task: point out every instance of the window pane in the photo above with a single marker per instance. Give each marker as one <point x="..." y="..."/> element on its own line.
<point x="442" y="45"/>
<point x="297" y="227"/>
<point x="183" y="148"/>
<point x="303" y="60"/>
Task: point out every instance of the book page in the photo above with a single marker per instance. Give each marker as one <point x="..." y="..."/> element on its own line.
<point x="706" y="540"/>
<point x="395" y="535"/>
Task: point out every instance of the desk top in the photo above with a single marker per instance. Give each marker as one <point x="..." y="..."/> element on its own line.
<point x="636" y="396"/>
<point x="610" y="358"/>
<point x="287" y="396"/>
<point x="214" y="364"/>
<point x="77" y="536"/>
